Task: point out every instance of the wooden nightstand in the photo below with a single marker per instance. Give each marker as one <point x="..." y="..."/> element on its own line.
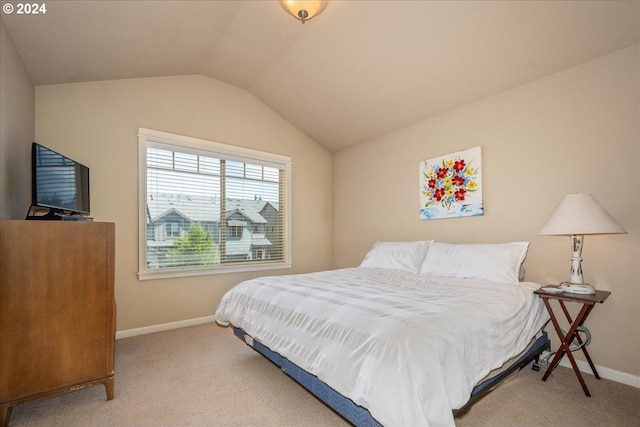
<point x="588" y="302"/>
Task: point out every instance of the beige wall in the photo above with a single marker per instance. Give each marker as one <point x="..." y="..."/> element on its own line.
<point x="96" y="124"/>
<point x="575" y="131"/>
<point x="17" y="128"/>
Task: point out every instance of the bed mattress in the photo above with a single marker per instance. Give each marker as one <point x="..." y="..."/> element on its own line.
<point x="410" y="348"/>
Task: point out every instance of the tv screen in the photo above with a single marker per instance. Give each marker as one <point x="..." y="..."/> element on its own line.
<point x="58" y="182"/>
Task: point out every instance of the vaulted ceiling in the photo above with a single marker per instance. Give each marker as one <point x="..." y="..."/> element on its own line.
<point x="359" y="70"/>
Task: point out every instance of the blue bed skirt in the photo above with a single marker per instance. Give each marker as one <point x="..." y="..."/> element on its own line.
<point x="357" y="415"/>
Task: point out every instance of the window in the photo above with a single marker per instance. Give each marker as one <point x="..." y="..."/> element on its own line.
<point x="172" y="230"/>
<point x="210" y="208"/>
<point x="235" y="232"/>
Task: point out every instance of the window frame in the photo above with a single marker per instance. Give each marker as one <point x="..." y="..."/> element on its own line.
<point x="155" y="138"/>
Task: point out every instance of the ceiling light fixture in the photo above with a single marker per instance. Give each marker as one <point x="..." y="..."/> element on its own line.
<point x="303" y="10"/>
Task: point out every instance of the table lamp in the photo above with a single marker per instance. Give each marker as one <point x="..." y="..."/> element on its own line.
<point x="575" y="216"/>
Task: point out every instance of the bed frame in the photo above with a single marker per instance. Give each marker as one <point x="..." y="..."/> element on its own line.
<point x="359" y="416"/>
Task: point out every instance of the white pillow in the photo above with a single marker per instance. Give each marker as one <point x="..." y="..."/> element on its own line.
<point x="403" y="256"/>
<point x="495" y="262"/>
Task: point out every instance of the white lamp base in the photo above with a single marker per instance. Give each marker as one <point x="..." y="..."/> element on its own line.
<point x="578" y="288"/>
<point x="575" y="284"/>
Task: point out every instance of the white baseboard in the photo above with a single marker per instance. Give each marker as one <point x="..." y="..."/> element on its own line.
<point x="164" y="327"/>
<point x="610" y="374"/>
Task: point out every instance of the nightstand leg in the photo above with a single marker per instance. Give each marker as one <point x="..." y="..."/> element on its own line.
<point x="565" y="341"/>
<point x="560" y="351"/>
<point x="583" y="348"/>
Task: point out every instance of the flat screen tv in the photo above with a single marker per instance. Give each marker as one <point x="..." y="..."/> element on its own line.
<point x="58" y="183"/>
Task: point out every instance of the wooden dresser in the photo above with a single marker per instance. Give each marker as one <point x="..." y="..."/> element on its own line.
<point x="57" y="309"/>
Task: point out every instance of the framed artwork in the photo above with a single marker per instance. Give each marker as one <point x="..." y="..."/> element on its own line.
<point x="451" y="185"/>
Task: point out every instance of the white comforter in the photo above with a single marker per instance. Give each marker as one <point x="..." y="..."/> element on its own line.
<point x="407" y="347"/>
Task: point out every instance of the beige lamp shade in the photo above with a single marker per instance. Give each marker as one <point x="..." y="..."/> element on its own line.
<point x="303" y="10"/>
<point x="579" y="214"/>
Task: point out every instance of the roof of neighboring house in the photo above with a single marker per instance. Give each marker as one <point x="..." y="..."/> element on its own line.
<point x="261" y="240"/>
<point x="248" y="213"/>
<point x="204" y="209"/>
<point x="243" y="246"/>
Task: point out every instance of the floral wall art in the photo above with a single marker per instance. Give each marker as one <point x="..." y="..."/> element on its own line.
<point x="451" y="185"/>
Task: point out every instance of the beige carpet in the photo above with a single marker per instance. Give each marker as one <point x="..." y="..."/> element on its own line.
<point x="204" y="376"/>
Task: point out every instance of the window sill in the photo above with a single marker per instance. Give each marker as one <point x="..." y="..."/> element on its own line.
<point x="167" y="274"/>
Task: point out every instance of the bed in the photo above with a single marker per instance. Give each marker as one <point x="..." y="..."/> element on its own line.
<point x="404" y="339"/>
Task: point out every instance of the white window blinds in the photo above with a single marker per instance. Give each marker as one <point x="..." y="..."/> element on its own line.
<point x="210" y="207"/>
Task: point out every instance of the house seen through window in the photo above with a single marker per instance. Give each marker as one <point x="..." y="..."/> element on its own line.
<point x="210" y="207"/>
